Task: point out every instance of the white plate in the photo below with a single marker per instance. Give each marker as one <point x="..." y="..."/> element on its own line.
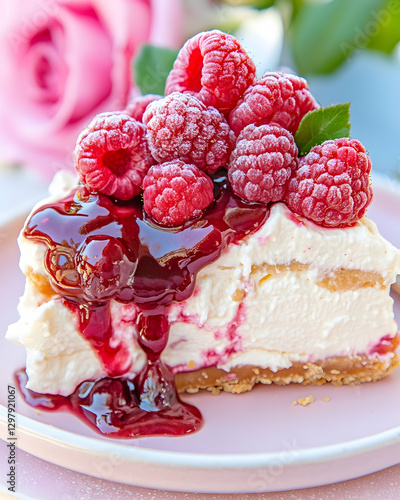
<point x="251" y="442"/>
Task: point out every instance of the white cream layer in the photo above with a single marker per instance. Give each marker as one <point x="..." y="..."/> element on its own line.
<point x="233" y="318"/>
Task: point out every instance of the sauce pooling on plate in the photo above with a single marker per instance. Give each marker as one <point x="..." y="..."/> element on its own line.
<point x="100" y="249"/>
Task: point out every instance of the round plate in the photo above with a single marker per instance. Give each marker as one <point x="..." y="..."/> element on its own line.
<point x="250" y="442"/>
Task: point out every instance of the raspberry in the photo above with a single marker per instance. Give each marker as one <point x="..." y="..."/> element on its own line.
<point x="137" y="106"/>
<point x="276" y="97"/>
<point x="213" y="66"/>
<point x="262" y="162"/>
<point x="182" y="127"/>
<point x="175" y="192"/>
<point x="112" y="156"/>
<point x="331" y="186"/>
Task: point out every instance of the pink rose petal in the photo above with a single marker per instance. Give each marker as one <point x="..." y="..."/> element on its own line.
<point x="65" y="61"/>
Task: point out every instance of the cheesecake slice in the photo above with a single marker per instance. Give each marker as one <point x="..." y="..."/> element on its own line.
<point x="289" y="302"/>
<point x="218" y="241"/>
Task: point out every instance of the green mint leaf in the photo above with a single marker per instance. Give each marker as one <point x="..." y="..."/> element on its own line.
<point x="151" y="68"/>
<point x="324" y="34"/>
<point x="323" y="124"/>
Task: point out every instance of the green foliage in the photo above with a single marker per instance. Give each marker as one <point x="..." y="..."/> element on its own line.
<point x="319" y="125"/>
<point x="152" y="66"/>
<point x="386" y="34"/>
<point x="263" y="4"/>
<point x="324" y="34"/>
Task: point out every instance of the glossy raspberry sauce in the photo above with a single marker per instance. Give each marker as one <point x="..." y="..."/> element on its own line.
<point x="101" y="249"/>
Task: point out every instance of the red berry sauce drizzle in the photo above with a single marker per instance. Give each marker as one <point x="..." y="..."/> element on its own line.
<point x="140" y="262"/>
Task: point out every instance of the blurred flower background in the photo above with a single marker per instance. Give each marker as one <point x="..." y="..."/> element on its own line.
<point x="63" y="61"/>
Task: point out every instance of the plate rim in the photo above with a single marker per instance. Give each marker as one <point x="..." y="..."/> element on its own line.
<point x="219" y="460"/>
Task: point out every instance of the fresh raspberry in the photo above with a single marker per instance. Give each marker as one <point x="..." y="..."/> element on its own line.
<point x="331" y="186"/>
<point x="213" y="66"/>
<point x="175" y="192"/>
<point x="277" y="97"/>
<point x="112" y="155"/>
<point x="137" y="106"/>
<point x="182" y="127"/>
<point x="262" y="163"/>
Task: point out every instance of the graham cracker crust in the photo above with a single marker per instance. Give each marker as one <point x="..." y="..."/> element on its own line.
<point x="336" y="370"/>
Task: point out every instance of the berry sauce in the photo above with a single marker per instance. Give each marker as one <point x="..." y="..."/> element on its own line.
<point x="99" y="249"/>
<point x="386" y="344"/>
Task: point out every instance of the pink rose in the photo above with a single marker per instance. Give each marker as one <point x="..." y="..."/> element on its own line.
<point x="63" y="61"/>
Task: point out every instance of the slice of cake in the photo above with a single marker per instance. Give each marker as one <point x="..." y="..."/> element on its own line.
<point x="198" y="253"/>
<point x="292" y="302"/>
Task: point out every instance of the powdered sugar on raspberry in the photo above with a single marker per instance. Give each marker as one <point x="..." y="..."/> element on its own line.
<point x="276" y="97"/>
<point x="213" y="66"/>
<point x="112" y="156"/>
<point x="182" y="127"/>
<point x="262" y="163"/>
<point x="138" y="105"/>
<point x="332" y="186"/>
<point x="175" y="192"/>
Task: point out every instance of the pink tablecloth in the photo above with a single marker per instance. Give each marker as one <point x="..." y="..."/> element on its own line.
<point x="41" y="480"/>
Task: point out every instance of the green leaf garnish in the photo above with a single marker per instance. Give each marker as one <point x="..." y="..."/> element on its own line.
<point x="152" y="66"/>
<point x="319" y="125"/>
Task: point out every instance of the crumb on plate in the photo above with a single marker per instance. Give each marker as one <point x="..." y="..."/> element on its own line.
<point x="304" y="401"/>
